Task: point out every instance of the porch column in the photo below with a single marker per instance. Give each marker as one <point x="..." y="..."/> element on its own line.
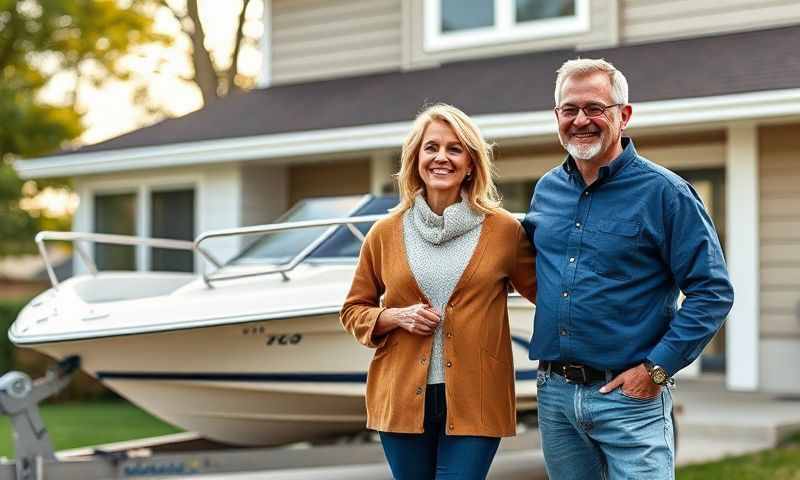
<point x="742" y="217"/>
<point x="82" y="222"/>
<point x="381" y="166"/>
<point x="143" y="227"/>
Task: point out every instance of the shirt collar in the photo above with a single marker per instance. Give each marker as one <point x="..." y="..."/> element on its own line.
<point x="616" y="165"/>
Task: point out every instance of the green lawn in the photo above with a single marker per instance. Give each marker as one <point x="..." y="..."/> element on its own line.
<point x="781" y="463"/>
<point x="73" y="425"/>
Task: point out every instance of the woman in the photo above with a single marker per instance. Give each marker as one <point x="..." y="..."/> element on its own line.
<point x="440" y="388"/>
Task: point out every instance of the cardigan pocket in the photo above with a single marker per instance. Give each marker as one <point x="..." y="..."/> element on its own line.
<point x="380" y="382"/>
<point x="498" y="413"/>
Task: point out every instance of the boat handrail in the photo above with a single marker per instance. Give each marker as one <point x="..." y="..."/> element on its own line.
<point x="349" y="222"/>
<point x="77" y="237"/>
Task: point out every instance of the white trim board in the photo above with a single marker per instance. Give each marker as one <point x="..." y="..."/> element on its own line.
<point x="667" y="113"/>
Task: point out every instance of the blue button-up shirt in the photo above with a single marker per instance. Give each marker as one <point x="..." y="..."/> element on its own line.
<point x="611" y="259"/>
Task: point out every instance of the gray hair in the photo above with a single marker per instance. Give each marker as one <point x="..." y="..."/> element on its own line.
<point x="587" y="66"/>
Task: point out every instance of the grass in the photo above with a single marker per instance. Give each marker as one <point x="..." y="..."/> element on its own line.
<point x="782" y="463"/>
<point x="73" y="425"/>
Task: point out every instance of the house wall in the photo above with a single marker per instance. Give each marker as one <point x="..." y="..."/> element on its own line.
<point x="602" y="33"/>
<point x="674" y="157"/>
<point x="317" y="39"/>
<point x="314" y="39"/>
<point x="779" y="234"/>
<point x="648" y="20"/>
<point x="265" y="193"/>
<point x="324" y="179"/>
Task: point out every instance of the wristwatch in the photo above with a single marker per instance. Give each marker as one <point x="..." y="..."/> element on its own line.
<point x="657" y="373"/>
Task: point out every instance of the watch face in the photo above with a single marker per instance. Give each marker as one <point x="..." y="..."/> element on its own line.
<point x="659" y="376"/>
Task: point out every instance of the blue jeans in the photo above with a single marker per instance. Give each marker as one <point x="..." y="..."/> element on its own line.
<point x="433" y="454"/>
<point x="589" y="435"/>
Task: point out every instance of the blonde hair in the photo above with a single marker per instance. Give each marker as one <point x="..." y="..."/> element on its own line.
<point x="481" y="192"/>
<point x="587" y="66"/>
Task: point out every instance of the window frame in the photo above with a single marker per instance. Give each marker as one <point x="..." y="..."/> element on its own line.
<point x="504" y="30"/>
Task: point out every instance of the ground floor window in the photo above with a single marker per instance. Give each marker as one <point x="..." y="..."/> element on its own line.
<point x="710" y="186"/>
<point x="172" y="216"/>
<point x="116" y="214"/>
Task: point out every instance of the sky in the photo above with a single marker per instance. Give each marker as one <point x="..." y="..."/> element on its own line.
<point x="110" y="109"/>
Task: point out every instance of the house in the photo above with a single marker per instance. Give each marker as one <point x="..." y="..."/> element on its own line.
<point x="716" y="93"/>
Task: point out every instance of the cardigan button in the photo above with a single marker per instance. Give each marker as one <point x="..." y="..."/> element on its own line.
<point x="422" y="360"/>
<point x="451" y="426"/>
<point x="419" y="390"/>
<point x="449" y="364"/>
<point x="449" y="334"/>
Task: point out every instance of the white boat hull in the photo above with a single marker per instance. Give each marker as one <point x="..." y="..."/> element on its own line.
<point x="257" y="383"/>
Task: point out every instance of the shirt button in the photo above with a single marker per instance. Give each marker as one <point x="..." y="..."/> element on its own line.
<point x="571" y="259"/>
<point x="577" y="224"/>
<point x="586" y="193"/>
<point x="419" y="390"/>
<point x="565" y="294"/>
<point x="449" y="364"/>
<point x="563" y="332"/>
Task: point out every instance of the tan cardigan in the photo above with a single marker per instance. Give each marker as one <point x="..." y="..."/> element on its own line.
<point x="479" y="369"/>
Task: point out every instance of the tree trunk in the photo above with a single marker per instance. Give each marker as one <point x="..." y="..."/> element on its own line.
<point x="205" y="72"/>
<point x="233" y="70"/>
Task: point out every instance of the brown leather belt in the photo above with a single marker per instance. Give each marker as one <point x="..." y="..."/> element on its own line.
<point x="575" y="373"/>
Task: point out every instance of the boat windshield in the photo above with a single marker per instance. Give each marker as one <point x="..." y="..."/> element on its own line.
<point x="332" y="243"/>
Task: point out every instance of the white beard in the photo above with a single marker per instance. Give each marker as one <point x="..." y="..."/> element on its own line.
<point x="583" y="151"/>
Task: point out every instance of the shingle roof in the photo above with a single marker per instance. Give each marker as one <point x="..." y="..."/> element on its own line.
<point x="696" y="67"/>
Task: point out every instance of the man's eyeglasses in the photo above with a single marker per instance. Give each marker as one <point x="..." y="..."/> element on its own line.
<point x="591" y="110"/>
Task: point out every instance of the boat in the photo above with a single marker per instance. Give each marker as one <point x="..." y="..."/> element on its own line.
<point x="249" y="352"/>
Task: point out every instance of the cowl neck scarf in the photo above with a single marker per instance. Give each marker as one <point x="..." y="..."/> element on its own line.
<point x="456" y="220"/>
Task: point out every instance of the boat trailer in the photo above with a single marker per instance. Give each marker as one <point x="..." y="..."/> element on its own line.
<point x="178" y="455"/>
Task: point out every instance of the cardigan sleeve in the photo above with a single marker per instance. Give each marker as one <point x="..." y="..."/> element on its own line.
<point x="523" y="271"/>
<point x="362" y="306"/>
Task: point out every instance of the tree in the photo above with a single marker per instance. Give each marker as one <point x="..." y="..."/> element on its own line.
<point x="214" y="76"/>
<point x="39" y="41"/>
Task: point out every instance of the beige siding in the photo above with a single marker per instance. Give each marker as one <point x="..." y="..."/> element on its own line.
<point x="646" y="20"/>
<point x="779" y="230"/>
<point x="313" y="39"/>
<point x="325" y="179"/>
<point x="603" y="32"/>
<point x="264" y="193"/>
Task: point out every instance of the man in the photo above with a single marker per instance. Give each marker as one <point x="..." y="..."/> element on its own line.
<point x="617" y="237"/>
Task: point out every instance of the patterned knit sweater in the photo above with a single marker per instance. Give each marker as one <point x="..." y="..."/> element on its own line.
<point x="438" y="250"/>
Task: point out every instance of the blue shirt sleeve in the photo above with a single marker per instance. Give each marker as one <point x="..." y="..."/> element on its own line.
<point x="692" y="251"/>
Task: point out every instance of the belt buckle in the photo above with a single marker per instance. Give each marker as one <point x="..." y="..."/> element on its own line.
<point x="566" y="369"/>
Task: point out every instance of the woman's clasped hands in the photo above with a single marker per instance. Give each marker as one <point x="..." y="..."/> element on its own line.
<point x="419" y="319"/>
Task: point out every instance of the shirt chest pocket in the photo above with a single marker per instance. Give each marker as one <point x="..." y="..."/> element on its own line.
<point x="613" y="246"/>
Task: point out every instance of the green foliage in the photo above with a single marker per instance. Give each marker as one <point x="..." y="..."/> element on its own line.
<point x="8" y="313"/>
<point x="75" y="41"/>
<point x="73" y="425"/>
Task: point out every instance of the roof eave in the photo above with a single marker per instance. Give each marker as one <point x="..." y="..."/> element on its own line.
<point x="752" y="106"/>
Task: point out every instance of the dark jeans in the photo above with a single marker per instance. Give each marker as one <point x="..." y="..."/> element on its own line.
<point x="434" y="455"/>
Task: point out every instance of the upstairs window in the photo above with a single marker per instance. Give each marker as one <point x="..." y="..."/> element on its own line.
<point x="453" y="24"/>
